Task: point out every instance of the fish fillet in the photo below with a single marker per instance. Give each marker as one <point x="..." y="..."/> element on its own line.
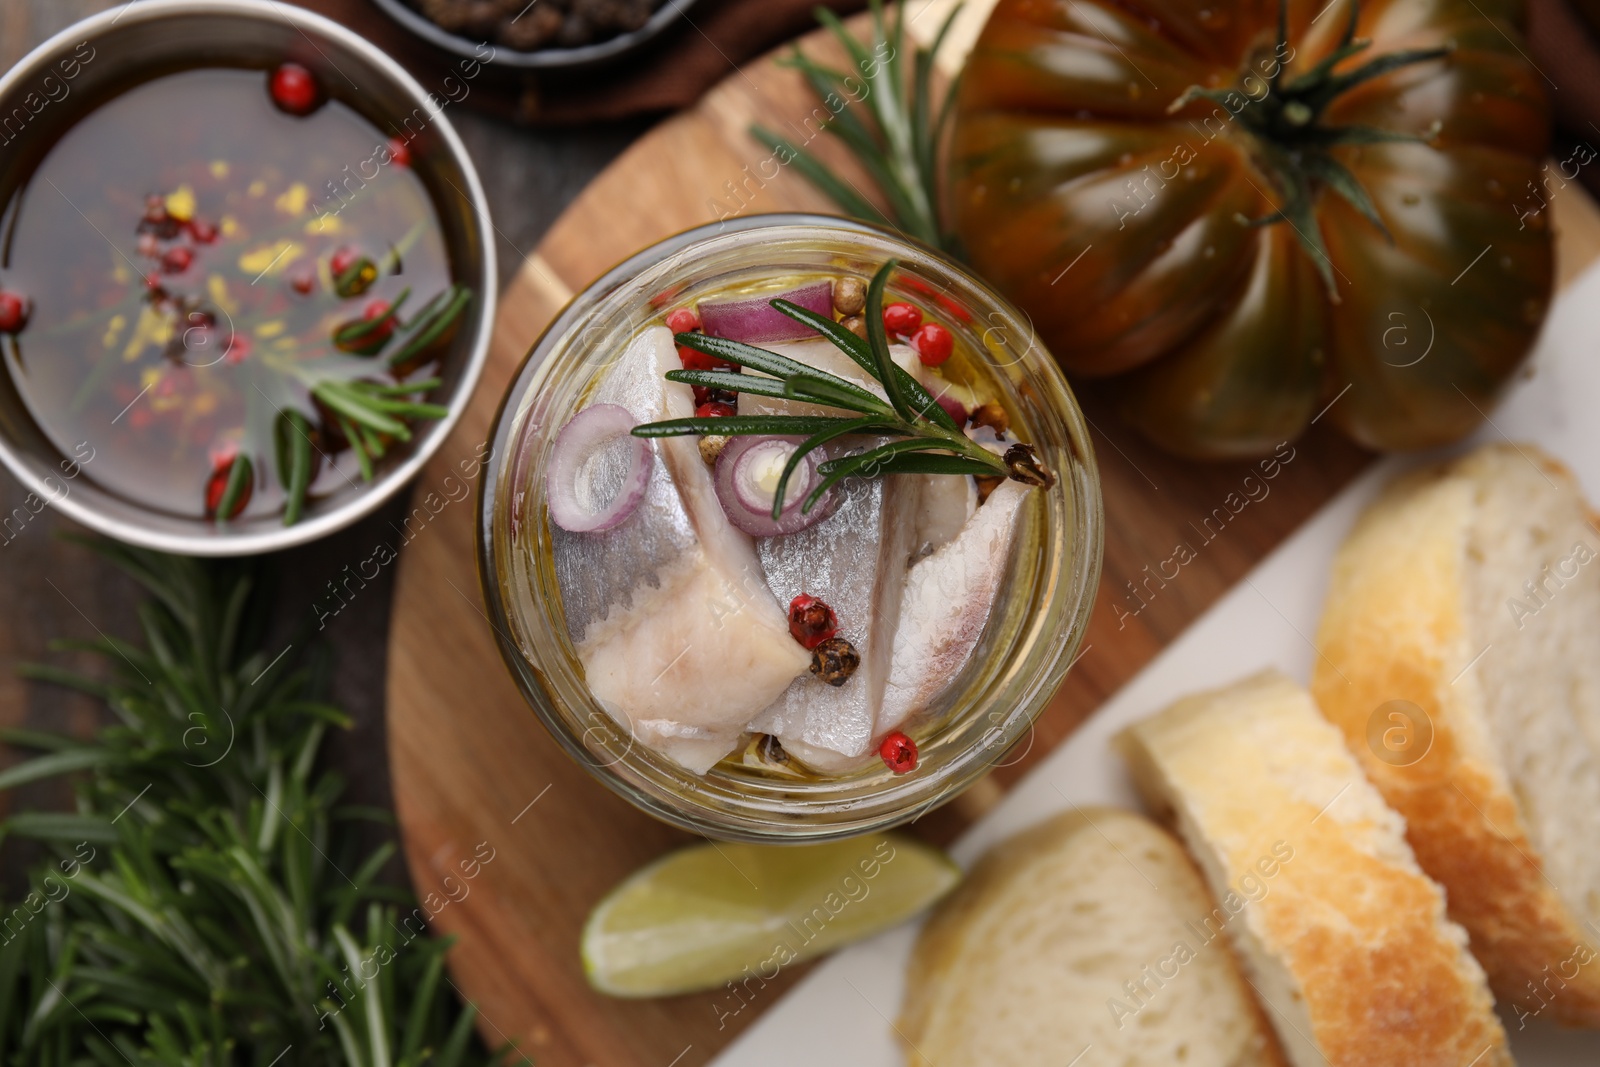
<point x="946" y="605"/>
<point x="680" y="639"/>
<point x="854" y="560"/>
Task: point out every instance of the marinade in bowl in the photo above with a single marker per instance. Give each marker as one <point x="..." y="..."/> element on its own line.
<point x="244" y="290"/>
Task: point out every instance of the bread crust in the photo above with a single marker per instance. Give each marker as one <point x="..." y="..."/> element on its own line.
<point x="1376" y="974"/>
<point x="1395" y="628"/>
<point x="942" y="944"/>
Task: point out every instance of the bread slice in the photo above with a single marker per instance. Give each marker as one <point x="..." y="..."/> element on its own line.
<point x="1460" y="655"/>
<point x="1340" y="932"/>
<point x="1083" y="933"/>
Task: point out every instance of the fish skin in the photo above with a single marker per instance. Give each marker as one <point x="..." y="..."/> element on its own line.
<point x="946" y="605"/>
<point x="855" y="560"/>
<point x="680" y="639"/>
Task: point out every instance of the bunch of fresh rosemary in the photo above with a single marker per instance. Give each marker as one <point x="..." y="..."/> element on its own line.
<point x="208" y="905"/>
<point x="888" y="120"/>
<point x="929" y="442"/>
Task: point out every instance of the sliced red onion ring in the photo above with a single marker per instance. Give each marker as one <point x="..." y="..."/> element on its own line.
<point x="747" y="481"/>
<point x="598" y="470"/>
<point x="755" y="321"/>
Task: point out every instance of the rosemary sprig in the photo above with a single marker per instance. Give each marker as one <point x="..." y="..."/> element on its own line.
<point x="292" y="438"/>
<point x="889" y="124"/>
<point x="930" y="441"/>
<point x="368" y="414"/>
<point x="430" y="324"/>
<point x="207" y="902"/>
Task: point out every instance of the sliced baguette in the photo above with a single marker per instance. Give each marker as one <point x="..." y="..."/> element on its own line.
<point x="1081" y="936"/>
<point x="1472" y="591"/>
<point x="1341" y="933"/>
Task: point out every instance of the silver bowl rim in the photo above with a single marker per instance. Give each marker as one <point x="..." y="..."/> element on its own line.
<point x="371" y="497"/>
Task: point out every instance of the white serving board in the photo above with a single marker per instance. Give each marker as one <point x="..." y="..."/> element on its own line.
<point x="842" y="1013"/>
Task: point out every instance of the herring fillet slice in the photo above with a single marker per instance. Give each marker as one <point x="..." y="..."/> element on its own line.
<point x="855" y="561"/>
<point x="946" y="605"/>
<point x="679" y="638"/>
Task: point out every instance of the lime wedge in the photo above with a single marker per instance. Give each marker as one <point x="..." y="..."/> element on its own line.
<point x="704" y="915"/>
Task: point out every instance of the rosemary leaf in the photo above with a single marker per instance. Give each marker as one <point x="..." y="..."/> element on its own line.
<point x="868" y="461"/>
<point x="734" y="425"/>
<point x="816" y="172"/>
<point x="811" y="444"/>
<point x="371" y="443"/>
<point x="732" y="381"/>
<point x="294" y="463"/>
<point x="812" y="387"/>
<point x="892" y="128"/>
<point x="878" y="338"/>
<point x="414" y="408"/>
<point x="433" y="327"/>
<point x="240" y="474"/>
<point x="868" y="464"/>
<point x="352" y="334"/>
<point x="354" y="439"/>
<point x="860" y="351"/>
<point x="348" y="402"/>
<point x="779" y="366"/>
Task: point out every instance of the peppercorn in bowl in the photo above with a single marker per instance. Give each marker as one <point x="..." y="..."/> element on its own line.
<point x="556" y="35"/>
<point x="790" y="529"/>
<point x="245" y="278"/>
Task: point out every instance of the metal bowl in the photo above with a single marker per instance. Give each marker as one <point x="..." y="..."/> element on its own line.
<point x="158" y="36"/>
<point x="568" y="60"/>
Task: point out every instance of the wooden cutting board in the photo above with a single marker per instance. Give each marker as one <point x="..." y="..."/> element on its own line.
<point x="509" y="842"/>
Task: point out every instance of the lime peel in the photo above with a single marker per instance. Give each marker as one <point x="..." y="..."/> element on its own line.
<point x="704" y="915"/>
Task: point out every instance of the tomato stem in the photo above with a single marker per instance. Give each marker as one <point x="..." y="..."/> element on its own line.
<point x="1295" y="146"/>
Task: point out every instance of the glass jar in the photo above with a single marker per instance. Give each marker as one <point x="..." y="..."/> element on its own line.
<point x="1035" y="625"/>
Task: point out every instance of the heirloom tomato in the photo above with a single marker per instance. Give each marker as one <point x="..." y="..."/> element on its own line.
<point x="1256" y="214"/>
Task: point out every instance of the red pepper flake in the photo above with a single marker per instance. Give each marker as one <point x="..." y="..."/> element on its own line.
<point x="14" y="311"/>
<point x="343" y="259"/>
<point x="933" y="344"/>
<point x="294" y="89"/>
<point x="682" y="320"/>
<point x="715" y="409"/>
<point x="899" y="753"/>
<point x="704" y="394"/>
<point x="901" y="319"/>
<point x="238" y="349"/>
<point x="694" y="359"/>
<point x="303" y="281"/>
<point x="399" y="152"/>
<point x="811" y="621"/>
<point x="203" y="231"/>
<point x="940" y="297"/>
<point x="177" y="260"/>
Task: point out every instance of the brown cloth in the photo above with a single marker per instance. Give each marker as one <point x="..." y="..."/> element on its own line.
<point x="708" y="43"/>
<point x="1564" y="39"/>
